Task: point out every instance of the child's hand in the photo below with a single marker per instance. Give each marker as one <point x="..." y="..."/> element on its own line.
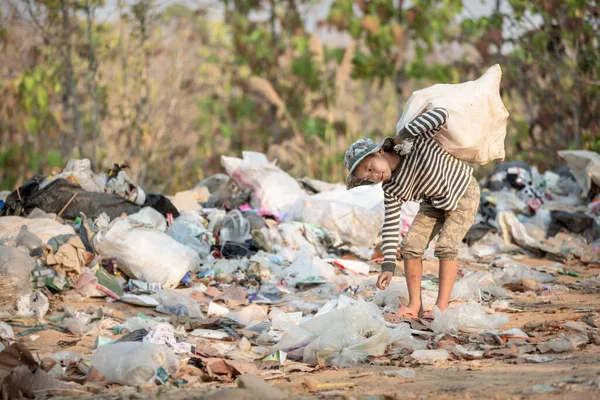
<point x="384" y="279"/>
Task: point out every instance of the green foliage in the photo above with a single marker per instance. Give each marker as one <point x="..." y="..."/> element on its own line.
<point x="172" y="85"/>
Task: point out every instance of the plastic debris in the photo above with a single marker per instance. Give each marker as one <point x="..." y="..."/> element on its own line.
<point x="34" y="305"/>
<point x="406" y="373"/>
<point x="430" y="357"/>
<point x="134" y="363"/>
<point x="469" y="317"/>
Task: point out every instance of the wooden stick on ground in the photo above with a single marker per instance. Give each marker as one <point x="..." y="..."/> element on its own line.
<point x="66" y="205"/>
<point x="19" y="194"/>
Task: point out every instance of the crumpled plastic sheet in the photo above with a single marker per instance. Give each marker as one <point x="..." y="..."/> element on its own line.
<point x="468" y="318"/>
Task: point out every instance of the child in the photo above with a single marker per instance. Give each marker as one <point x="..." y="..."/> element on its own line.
<point x="413" y="167"/>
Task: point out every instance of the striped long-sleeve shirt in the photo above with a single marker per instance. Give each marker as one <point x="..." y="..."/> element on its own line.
<point x="428" y="173"/>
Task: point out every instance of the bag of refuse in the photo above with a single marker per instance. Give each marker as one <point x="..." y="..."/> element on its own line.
<point x="468" y="318"/>
<point x="134" y="363"/>
<point x="585" y="166"/>
<point x="44" y="229"/>
<point x="476" y="128"/>
<point x="272" y="189"/>
<point x="15" y="272"/>
<point x="145" y="253"/>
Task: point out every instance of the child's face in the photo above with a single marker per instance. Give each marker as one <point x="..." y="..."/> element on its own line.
<point x="375" y="168"/>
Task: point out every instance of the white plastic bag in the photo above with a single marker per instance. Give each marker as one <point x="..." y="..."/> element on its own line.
<point x="43" y="228"/>
<point x="306" y="266"/>
<point x="17" y="266"/>
<point x="395" y="295"/>
<point x="468" y="317"/>
<point x="585" y="166"/>
<point x="272" y="188"/>
<point x="34" y="304"/>
<point x="164" y="334"/>
<point x="429" y="357"/>
<point x="342" y="337"/>
<point x="515" y="273"/>
<point x="176" y="303"/>
<point x="146" y="254"/>
<point x="80" y="172"/>
<point x="134" y="363"/>
<point x="476" y="128"/>
<point x="472" y="286"/>
<point x="356" y="215"/>
<point x="6" y="331"/>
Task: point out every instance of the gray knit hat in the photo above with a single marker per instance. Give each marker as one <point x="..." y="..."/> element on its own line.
<point x="354" y="155"/>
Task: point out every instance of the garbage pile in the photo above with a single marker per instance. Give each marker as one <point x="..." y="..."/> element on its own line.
<point x="255" y="272"/>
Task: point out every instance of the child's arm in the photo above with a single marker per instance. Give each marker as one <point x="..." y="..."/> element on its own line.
<point x="390" y="232"/>
<point x="426" y="124"/>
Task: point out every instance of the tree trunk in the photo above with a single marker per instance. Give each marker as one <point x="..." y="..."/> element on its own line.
<point x="70" y="104"/>
<point x="92" y="70"/>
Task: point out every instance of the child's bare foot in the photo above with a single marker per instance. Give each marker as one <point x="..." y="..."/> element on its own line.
<point x="408" y="312"/>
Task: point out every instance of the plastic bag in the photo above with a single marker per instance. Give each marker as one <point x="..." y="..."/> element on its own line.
<point x="164" y="334"/>
<point x="476" y="128"/>
<point x="34" y="304"/>
<point x="341" y="337"/>
<point x="394" y="296"/>
<point x="585" y="166"/>
<point x="80" y="172"/>
<point x="188" y="229"/>
<point x="472" y="286"/>
<point x="272" y="189"/>
<point x="306" y="266"/>
<point x="27" y="239"/>
<point x="43" y="228"/>
<point x="149" y="218"/>
<point x="468" y="317"/>
<point x="15" y="273"/>
<point x="429" y="357"/>
<point x="175" y="303"/>
<point x="123" y="186"/>
<point x="134" y="363"/>
<point x="145" y="253"/>
<point x="6" y="331"/>
<point x="235" y="228"/>
<point x="515" y="273"/>
<point x="248" y="316"/>
<point x="140" y="322"/>
<point x="342" y="211"/>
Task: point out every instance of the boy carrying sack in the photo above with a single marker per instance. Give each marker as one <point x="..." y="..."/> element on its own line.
<point x="416" y="165"/>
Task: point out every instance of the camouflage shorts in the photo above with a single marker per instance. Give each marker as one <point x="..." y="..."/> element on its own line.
<point x="452" y="227"/>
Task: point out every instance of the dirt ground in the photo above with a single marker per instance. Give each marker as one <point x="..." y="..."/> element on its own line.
<point x="572" y="375"/>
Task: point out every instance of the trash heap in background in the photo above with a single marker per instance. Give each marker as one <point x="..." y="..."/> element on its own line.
<point x="255" y="271"/>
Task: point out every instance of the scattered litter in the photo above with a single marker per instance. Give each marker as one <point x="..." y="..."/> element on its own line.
<point x="468" y="317"/>
<point x="537" y="358"/>
<point x="430" y="357"/>
<point x="406" y="373"/>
